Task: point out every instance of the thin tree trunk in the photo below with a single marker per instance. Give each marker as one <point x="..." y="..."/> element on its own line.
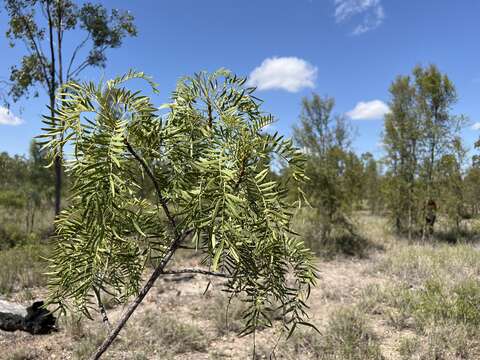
<point x="52" y="90"/>
<point x="139" y="298"/>
<point x="178" y="239"/>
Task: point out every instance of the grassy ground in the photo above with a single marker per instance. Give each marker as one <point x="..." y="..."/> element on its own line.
<point x="399" y="301"/>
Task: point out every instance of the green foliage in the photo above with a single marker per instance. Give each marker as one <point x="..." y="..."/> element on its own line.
<point x="333" y="170"/>
<point x="421" y="140"/>
<point x="103" y="31"/>
<point x="472" y="186"/>
<point x="371" y="183"/>
<point x="342" y="240"/>
<point x="209" y="162"/>
<point x="25" y="190"/>
<point x="42" y="24"/>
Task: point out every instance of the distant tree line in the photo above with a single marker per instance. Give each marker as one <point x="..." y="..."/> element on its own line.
<point x="26" y="188"/>
<point x="424" y="181"/>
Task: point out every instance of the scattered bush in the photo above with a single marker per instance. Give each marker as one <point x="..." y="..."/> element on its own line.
<point x="343" y="239"/>
<point x="151" y="336"/>
<point x="24" y="354"/>
<point x="11" y="235"/>
<point x="408" y="346"/>
<point x="227" y="317"/>
<point x="168" y="332"/>
<point x="441" y="342"/>
<point x="437" y="302"/>
<point x="415" y="264"/>
<point x="88" y="342"/>
<point x="347" y="336"/>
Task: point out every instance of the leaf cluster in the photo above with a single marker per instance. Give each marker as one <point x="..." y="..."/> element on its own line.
<point x="209" y="161"/>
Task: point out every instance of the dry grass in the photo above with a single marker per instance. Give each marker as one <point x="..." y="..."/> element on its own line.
<point x="400" y="301"/>
<point x="151" y="336"/>
<point x="346" y="336"/>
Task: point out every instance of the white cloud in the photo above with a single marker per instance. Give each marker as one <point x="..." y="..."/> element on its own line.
<point x="476" y="126"/>
<point x="7" y="117"/>
<point x="368" y="110"/>
<point x="286" y="73"/>
<point x="370" y="11"/>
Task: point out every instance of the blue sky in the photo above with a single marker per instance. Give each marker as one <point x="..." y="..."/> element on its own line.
<point x="348" y="49"/>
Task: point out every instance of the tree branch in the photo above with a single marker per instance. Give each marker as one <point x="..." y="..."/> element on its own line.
<point x="196" y="271"/>
<point x="139" y="298"/>
<point x="85" y="63"/>
<point x="35" y="45"/>
<point x="59" y="41"/>
<point x="161" y="199"/>
<point x="159" y="270"/>
<point x="191" y="247"/>
<point x="75" y="52"/>
<point x="102" y="309"/>
<point x="52" y="57"/>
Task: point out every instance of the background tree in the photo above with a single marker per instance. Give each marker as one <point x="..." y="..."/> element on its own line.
<point x="472" y="184"/>
<point x="435" y="95"/>
<point x="26" y="187"/>
<point x="332" y="170"/>
<point x="420" y="137"/>
<point x="402" y="143"/>
<point x="42" y="24"/>
<point x="451" y="185"/>
<point x="371" y="183"/>
<point x="208" y="162"/>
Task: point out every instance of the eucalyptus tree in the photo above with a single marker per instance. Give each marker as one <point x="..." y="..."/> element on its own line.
<point x="419" y="132"/>
<point x="451" y="183"/>
<point x="325" y="139"/>
<point x="40" y="25"/>
<point x="402" y="141"/>
<point x="372" y="183"/>
<point x="435" y="95"/>
<point x="472" y="183"/>
<point x="208" y="161"/>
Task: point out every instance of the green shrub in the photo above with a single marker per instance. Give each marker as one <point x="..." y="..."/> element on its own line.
<point x="342" y="238"/>
<point x="415" y="264"/>
<point x="408" y="346"/>
<point x="441" y="342"/>
<point x="11" y="235"/>
<point x="347" y="336"/>
<point x="434" y="302"/>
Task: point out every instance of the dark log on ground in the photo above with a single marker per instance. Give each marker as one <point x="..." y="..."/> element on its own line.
<point x="33" y="319"/>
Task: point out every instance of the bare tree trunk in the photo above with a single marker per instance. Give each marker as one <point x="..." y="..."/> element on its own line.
<point x="139" y="298"/>
<point x="409" y="223"/>
<point x="52" y="89"/>
<point x="58" y="182"/>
